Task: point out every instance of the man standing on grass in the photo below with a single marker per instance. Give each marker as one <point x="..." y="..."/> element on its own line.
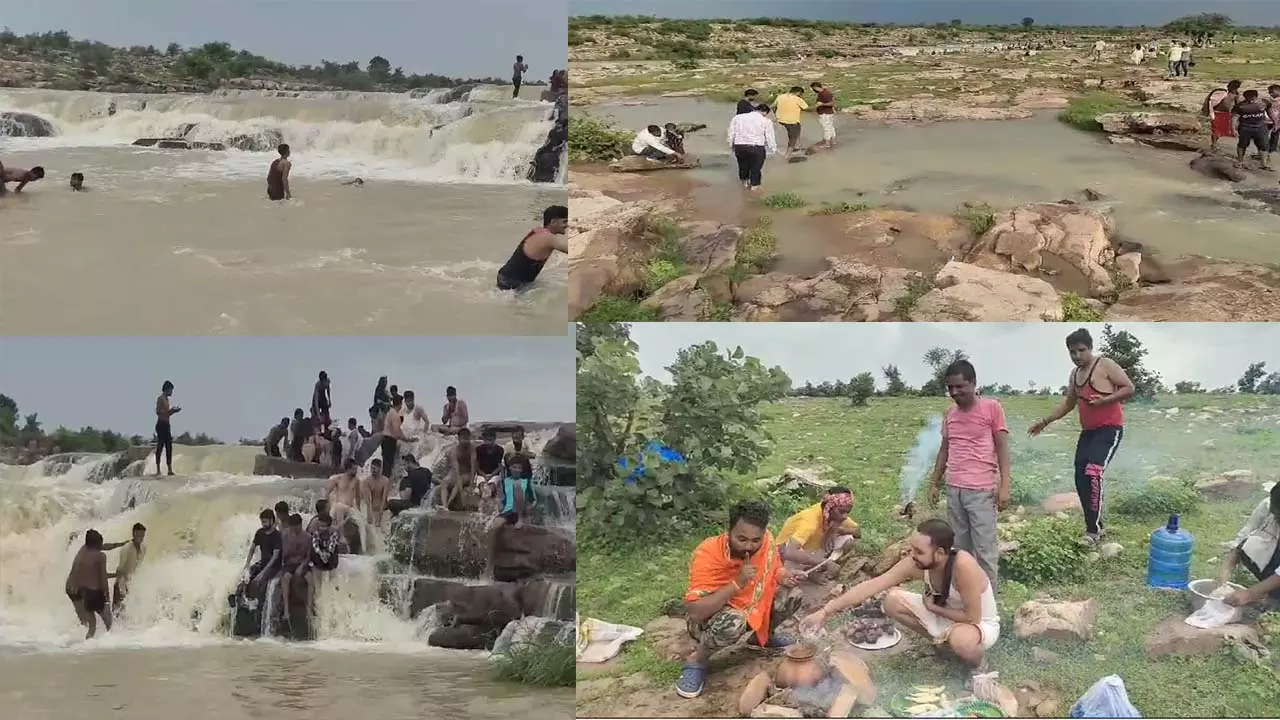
<point x="1097" y="386"/>
<point x="733" y="593"/>
<point x="826" y="115"/>
<point x="974" y="452"/>
<point x="788" y="107"/>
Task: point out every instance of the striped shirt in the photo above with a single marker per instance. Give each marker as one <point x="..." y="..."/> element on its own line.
<point x="752" y="129"/>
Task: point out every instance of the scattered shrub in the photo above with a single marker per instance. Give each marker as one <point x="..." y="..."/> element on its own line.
<point x="1049" y="553"/>
<point x="1158" y="497"/>
<point x="978" y="216"/>
<point x="618" y="309"/>
<point x="757" y="248"/>
<point x="661" y="272"/>
<point x="1081" y="112"/>
<point x="1074" y="309"/>
<point x="542" y="661"/>
<point x="784" y="201"/>
<point x="592" y="140"/>
<point x="905" y="304"/>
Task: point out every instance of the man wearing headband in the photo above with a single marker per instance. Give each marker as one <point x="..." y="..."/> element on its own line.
<point x="820" y="532"/>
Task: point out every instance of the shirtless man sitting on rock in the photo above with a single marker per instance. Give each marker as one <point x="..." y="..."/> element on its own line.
<point x="344" y="492"/>
<point x="87" y="584"/>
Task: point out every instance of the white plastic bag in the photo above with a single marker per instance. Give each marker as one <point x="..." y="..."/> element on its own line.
<point x="1213" y="614"/>
<point x="1106" y="699"/>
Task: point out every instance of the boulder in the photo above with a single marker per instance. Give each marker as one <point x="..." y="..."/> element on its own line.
<point x="20" y="124"/>
<point x="609" y="255"/>
<point x="1173" y="131"/>
<point x="266" y="465"/>
<point x="1130" y="266"/>
<point x="1208" y="292"/>
<point x="454" y="544"/>
<point x="681" y="300"/>
<point x="463" y="637"/>
<point x="560" y="473"/>
<point x="177" y="144"/>
<point x="494" y="603"/>
<point x="1080" y="236"/>
<point x="1057" y="620"/>
<point x="1175" y="637"/>
<point x="969" y="293"/>
<point x="1218" y="167"/>
<point x="635" y="163"/>
<point x="848" y="291"/>
<point x="712" y="252"/>
<point x="890" y="556"/>
<point x="564" y="445"/>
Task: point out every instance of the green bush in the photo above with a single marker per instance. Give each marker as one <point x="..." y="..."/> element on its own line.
<point x="978" y="216"/>
<point x="1049" y="553"/>
<point x="618" y="309"/>
<point x="543" y="662"/>
<point x="661" y="272"/>
<point x="1074" y="309"/>
<point x="783" y="201"/>
<point x="1158" y="497"/>
<point x="592" y="140"/>
<point x="1082" y="112"/>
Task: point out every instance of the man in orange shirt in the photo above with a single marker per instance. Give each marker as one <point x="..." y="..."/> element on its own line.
<point x="733" y="593"/>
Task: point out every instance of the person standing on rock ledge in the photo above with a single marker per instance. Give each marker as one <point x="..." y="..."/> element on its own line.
<point x="1098" y="386"/>
<point x="278" y="175"/>
<point x="517" y="75"/>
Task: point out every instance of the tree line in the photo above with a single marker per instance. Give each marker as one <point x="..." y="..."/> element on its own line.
<point x="216" y="62"/>
<point x="27" y="431"/>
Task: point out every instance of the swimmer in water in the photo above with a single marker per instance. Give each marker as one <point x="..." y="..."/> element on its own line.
<point x="20" y="176"/>
<point x="77" y="182"/>
<point x="278" y="175"/>
<point x="531" y="254"/>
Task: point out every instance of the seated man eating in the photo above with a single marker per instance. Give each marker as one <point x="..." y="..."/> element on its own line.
<point x="1257" y="548"/>
<point x="958" y="608"/>
<point x="733" y="593"/>
<point x="820" y="532"/>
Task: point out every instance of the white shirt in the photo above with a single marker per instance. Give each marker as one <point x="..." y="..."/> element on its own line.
<point x="753" y="129"/>
<point x="1175" y="53"/>
<point x="645" y="139"/>
<point x="1259" y="535"/>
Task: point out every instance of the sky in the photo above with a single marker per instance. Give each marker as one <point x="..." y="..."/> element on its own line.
<point x="472" y="38"/>
<point x="1004" y="12"/>
<point x="1213" y="354"/>
<point x="238" y="387"/>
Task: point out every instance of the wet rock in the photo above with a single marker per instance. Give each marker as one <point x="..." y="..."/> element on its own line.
<point x="848" y="291"/>
<point x="1218" y="167"/>
<point x="1080" y="236"/>
<point x="969" y="293"/>
<point x="564" y="445"/>
<point x="1208" y="292"/>
<point x="496" y="603"/>
<point x="712" y="252"/>
<point x="265" y="465"/>
<point x="178" y="144"/>
<point x="560" y="473"/>
<point x="635" y="163"/>
<point x="462" y="637"/>
<point x="610" y="256"/>
<point x="939" y="109"/>
<point x="1270" y="196"/>
<point x="454" y="544"/>
<point x="681" y="300"/>
<point x="20" y="124"/>
<point x="261" y="141"/>
<point x="1175" y="637"/>
<point x="1174" y="131"/>
<point x="1057" y="620"/>
<point x="1130" y="266"/>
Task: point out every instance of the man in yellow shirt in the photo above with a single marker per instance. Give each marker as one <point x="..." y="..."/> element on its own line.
<point x="788" y="107"/>
<point x="130" y="558"/>
<point x="820" y="531"/>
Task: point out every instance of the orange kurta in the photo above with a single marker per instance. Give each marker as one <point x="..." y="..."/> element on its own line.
<point x="712" y="567"/>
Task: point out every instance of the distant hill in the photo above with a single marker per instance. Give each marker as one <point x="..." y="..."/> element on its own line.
<point x="58" y="61"/>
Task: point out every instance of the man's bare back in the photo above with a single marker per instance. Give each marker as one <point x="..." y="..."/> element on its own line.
<point x="392" y="425"/>
<point x="88" y="571"/>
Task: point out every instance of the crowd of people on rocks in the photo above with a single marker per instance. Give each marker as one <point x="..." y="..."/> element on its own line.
<point x="742" y="582"/>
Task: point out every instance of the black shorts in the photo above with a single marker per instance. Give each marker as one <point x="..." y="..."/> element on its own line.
<point x="793" y="132"/>
<point x="506" y="283"/>
<point x="1258" y="137"/>
<point x="95" y="601"/>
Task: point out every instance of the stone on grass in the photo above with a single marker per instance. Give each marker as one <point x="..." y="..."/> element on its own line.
<point x="1057" y="620"/>
<point x="1110" y="550"/>
<point x="1043" y="656"/>
<point x="1175" y="637"/>
<point x="1061" y="502"/>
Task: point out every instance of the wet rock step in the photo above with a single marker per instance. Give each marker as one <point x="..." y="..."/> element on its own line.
<point x="178" y="144"/>
<point x="455" y="545"/>
<point x="480" y="603"/>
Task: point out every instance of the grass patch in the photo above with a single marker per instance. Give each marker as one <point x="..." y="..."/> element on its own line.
<point x="905" y="304"/>
<point x="618" y="309"/>
<point x="1081" y="112"/>
<point x="720" y="311"/>
<point x="592" y="140"/>
<point x="864" y="447"/>
<point x="783" y="201"/>
<point x="839" y="208"/>
<point x="979" y="217"/>
<point x="541" y="662"/>
<point x="669" y="262"/>
<point x="1075" y="309"/>
<point x="757" y="249"/>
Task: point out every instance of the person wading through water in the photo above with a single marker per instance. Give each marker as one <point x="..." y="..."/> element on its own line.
<point x="526" y="262"/>
<point x="1097" y="387"/>
<point x="278" y="175"/>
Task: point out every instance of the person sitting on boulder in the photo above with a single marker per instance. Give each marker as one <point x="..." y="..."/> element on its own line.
<point x="957" y="609"/>
<point x="515" y="502"/>
<point x="267" y="542"/>
<point x="325" y="544"/>
<point x="733" y="593"/>
<point x="295" y="561"/>
<point x="819" y="532"/>
<point x="20" y="176"/>
<point x="1257" y="548"/>
<point x="648" y="144"/>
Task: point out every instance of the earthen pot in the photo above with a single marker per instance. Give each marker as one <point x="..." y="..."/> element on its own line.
<point x="799" y="667"/>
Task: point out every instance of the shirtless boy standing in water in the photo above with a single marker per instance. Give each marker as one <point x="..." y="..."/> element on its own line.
<point x="278" y="175"/>
<point x="375" y="492"/>
<point x="344" y="492"/>
<point x="87" y="584"/>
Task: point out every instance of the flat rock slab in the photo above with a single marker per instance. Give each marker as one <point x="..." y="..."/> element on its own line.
<point x="635" y="163"/>
<point x="1175" y="637"/>
<point x="1061" y="502"/>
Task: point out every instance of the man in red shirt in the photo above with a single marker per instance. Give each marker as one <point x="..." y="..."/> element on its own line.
<point x="1097" y="386"/>
<point x="826" y="115"/>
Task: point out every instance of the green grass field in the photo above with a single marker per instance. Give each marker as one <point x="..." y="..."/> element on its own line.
<point x="864" y="447"/>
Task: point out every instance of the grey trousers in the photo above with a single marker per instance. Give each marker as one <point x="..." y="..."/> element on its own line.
<point x="973" y="514"/>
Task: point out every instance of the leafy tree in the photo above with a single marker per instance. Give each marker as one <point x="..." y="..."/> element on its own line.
<point x="173" y="50"/>
<point x="8" y="417"/>
<point x="1270" y="385"/>
<point x="1027" y="22"/>
<point x="1200" y="27"/>
<point x="861" y="388"/>
<point x="938" y="359"/>
<point x="1128" y="352"/>
<point x="379" y="68"/>
<point x="1248" y="383"/>
<point x="894" y="387"/>
<point x="1187" y="387"/>
<point x="586" y="335"/>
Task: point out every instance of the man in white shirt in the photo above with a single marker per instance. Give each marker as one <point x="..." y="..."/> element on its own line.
<point x="1175" y="59"/>
<point x="648" y="144"/>
<point x="752" y="139"/>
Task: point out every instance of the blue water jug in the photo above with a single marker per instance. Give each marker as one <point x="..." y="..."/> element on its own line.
<point x="1169" y="564"/>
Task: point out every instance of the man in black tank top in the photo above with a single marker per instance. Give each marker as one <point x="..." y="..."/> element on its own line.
<point x="278" y="175"/>
<point x="531" y="254"/>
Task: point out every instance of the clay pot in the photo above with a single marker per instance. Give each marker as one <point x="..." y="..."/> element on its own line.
<point x="799" y="667"/>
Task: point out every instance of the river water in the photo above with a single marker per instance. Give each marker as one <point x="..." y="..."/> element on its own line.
<point x="171" y="649"/>
<point x="1155" y="198"/>
<point x="414" y="250"/>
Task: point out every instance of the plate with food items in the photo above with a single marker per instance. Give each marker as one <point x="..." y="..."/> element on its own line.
<point x="921" y="700"/>
<point x="868" y="628"/>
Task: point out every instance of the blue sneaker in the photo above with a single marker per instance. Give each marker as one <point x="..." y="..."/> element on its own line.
<point x="692" y="679"/>
<point x="776" y="642"/>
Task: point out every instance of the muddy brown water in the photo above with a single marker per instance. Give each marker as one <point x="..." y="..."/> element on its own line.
<point x="1155" y="198"/>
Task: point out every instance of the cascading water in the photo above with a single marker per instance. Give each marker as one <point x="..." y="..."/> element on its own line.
<point x="480" y="135"/>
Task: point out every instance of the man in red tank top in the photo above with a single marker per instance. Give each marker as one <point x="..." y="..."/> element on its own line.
<point x="1097" y="387"/>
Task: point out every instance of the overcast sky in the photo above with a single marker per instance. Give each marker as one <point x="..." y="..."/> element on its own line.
<point x="1004" y="12"/>
<point x="239" y="387"/>
<point x="471" y="38"/>
<point x="1213" y="354"/>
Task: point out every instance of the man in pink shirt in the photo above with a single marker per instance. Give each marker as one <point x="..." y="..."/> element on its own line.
<point x="975" y="450"/>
